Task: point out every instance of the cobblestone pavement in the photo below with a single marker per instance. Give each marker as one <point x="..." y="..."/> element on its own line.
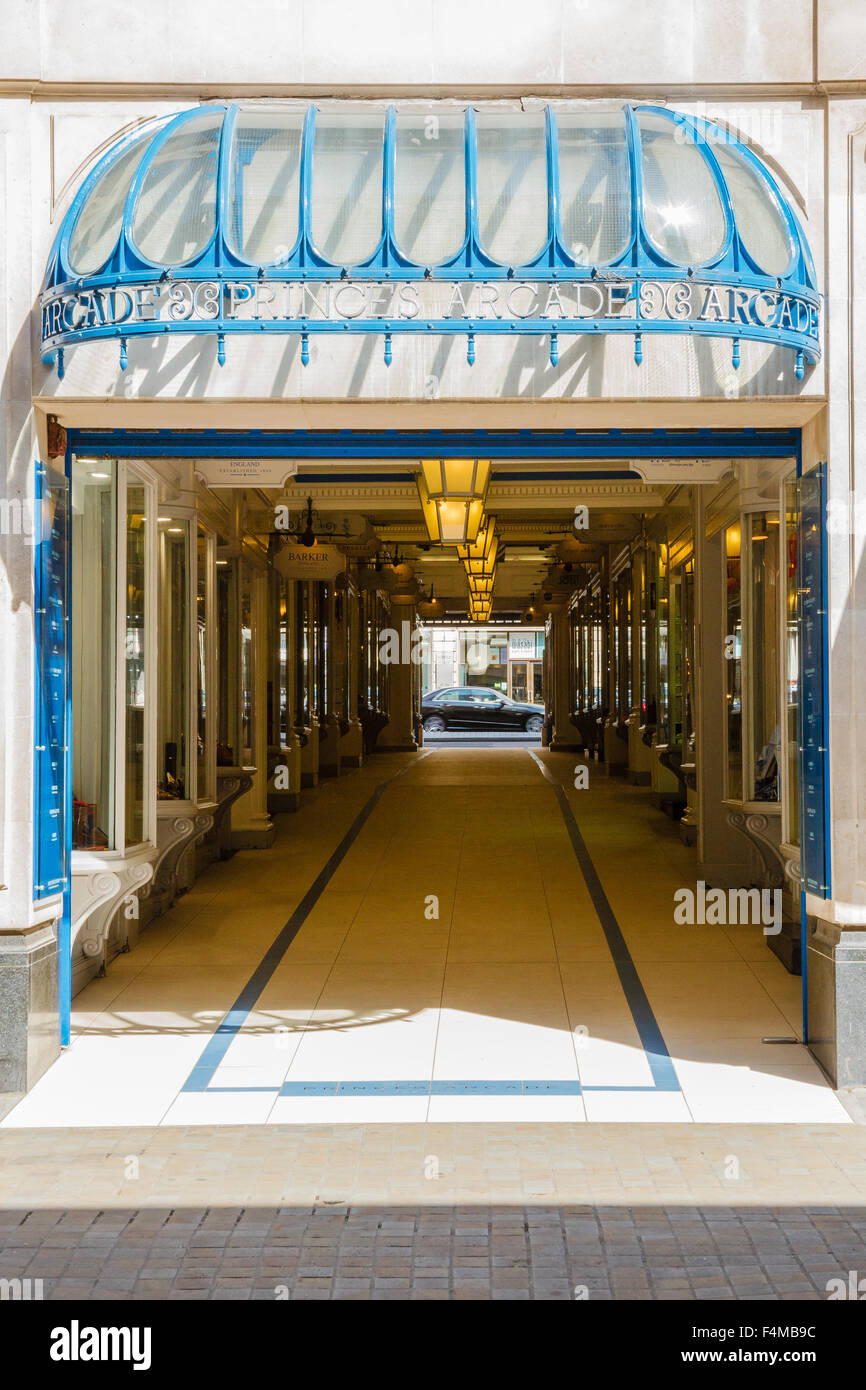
<point x="435" y="1253"/>
<point x="353" y="1211"/>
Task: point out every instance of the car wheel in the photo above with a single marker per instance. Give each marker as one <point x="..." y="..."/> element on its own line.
<point x="434" y="724"/>
<point x="534" y="724"/>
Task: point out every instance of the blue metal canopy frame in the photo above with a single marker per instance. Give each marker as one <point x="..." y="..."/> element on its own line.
<point x="779" y="309"/>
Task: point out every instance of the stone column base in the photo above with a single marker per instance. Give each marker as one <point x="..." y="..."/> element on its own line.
<point x="352" y="745"/>
<point x="329" y="748"/>
<point x="29" y="1026"/>
<point x="310" y="757"/>
<point x="836" y="979"/>
<point x="615" y="753"/>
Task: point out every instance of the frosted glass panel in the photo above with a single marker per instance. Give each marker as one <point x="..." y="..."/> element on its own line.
<point x="757" y="213"/>
<point x="346" y="210"/>
<point x="263" y="178"/>
<point x="594" y="186"/>
<point x="97" y="225"/>
<point x="175" y="212"/>
<point x="682" y="209"/>
<point x="512" y="186"/>
<point x="430" y="186"/>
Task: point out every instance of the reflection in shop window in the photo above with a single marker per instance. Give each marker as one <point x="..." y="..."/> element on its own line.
<point x="302" y="654"/>
<point x="246" y="710"/>
<point x="173" y="713"/>
<point x="203" y="619"/>
<point x="228" y="753"/>
<point x="764" y="655"/>
<point x="134" y="654"/>
<point x="663" y="654"/>
<point x="733" y="663"/>
<point x="687" y="684"/>
<point x="94" y="528"/>
<point x="280" y="708"/>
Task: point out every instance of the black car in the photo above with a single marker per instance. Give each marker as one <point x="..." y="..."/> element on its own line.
<point x="477" y="707"/>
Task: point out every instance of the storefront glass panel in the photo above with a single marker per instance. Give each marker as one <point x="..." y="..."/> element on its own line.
<point x="135" y="653"/>
<point x="792" y="670"/>
<point x="203" y="625"/>
<point x="173" y="660"/>
<point x="228" y="748"/>
<point x="764" y="655"/>
<point x="93" y="640"/>
<point x="246" y="669"/>
<point x="733" y="663"/>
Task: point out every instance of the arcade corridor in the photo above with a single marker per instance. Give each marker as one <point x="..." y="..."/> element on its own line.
<point x="439" y="938"/>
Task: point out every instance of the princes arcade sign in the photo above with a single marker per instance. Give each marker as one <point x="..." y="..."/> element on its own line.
<point x="547" y="308"/>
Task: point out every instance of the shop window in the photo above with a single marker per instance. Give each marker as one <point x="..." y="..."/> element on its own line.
<point x="430" y="185"/>
<point x="663" y="650"/>
<point x="279" y="733"/>
<point x="135" y="661"/>
<point x="733" y="663"/>
<point x="302" y="654"/>
<point x="94" y="647"/>
<point x="323" y="650"/>
<point x="687" y="650"/>
<point x="203" y="642"/>
<point x="346" y="204"/>
<point x="763" y="681"/>
<point x="512" y="185"/>
<point x="173" y="667"/>
<point x="343" y="604"/>
<point x="622" y="644"/>
<point x="228" y="746"/>
<point x="246" y="667"/>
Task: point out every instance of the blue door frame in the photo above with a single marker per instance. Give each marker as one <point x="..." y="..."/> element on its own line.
<point x="395" y="445"/>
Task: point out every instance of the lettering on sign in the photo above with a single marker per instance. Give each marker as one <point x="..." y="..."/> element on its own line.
<point x="437" y="306"/>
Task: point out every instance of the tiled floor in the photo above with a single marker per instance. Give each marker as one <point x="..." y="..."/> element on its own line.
<point x="412" y="1103"/>
<point x="456" y="950"/>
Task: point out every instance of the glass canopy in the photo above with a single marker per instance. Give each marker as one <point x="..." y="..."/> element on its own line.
<point x="432" y="193"/>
